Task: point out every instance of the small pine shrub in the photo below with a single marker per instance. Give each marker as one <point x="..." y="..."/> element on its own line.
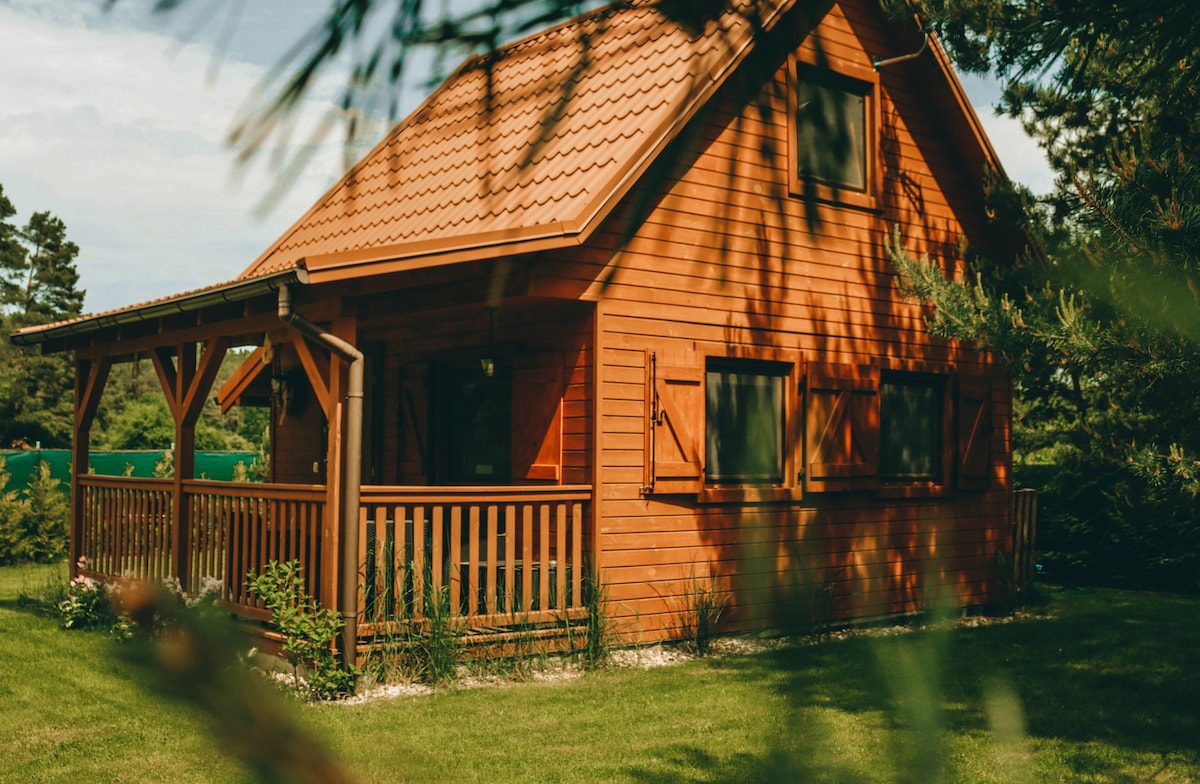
<point x="13" y="511"/>
<point x="164" y="467"/>
<point x="45" y="537"/>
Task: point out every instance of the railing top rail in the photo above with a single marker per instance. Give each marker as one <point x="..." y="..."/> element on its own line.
<point x="473" y="494"/>
<point x="254" y="489"/>
<point x="124" y="482"/>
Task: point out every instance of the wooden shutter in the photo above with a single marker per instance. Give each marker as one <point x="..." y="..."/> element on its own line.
<point x="412" y="466"/>
<point x="841" y="427"/>
<point x="974" y="433"/>
<point x="674" y="424"/>
<point x="537" y="417"/>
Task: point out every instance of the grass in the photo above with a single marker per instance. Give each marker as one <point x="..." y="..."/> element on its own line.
<point x="1098" y="687"/>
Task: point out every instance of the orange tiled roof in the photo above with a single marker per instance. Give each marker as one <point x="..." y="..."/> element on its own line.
<point x="530" y="145"/>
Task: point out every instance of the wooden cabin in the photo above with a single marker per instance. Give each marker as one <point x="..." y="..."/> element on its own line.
<point x="614" y="302"/>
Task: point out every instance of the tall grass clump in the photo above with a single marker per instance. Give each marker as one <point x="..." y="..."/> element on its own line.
<point x="598" y="633"/>
<point x="423" y="647"/>
<point x="701" y="614"/>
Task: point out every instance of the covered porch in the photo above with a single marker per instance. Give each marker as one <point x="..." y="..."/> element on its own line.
<point x="495" y="557"/>
<point x="380" y="483"/>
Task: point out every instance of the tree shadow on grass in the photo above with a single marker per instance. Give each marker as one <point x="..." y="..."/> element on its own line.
<point x="1111" y="683"/>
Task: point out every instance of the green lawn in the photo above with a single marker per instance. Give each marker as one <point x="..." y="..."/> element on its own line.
<point x="1099" y="687"/>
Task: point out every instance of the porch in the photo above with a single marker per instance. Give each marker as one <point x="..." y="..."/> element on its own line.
<point x="492" y="557"/>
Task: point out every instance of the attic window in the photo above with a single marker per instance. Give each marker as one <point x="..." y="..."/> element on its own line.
<point x="833" y="133"/>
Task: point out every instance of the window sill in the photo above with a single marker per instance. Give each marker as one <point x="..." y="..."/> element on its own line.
<point x="913" y="490"/>
<point x="814" y="191"/>
<point x="710" y="494"/>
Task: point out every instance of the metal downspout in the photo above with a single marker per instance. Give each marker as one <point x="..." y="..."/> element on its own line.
<point x="353" y="470"/>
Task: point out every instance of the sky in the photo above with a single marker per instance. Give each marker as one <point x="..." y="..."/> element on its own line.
<point x="117" y="123"/>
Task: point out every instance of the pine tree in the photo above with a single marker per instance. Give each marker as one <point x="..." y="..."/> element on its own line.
<point x="38" y="284"/>
<point x="1101" y="323"/>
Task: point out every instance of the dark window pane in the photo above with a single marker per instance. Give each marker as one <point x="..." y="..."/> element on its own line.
<point x="744" y="426"/>
<point x="831" y="125"/>
<point x="910" y="414"/>
<point x="477" y="422"/>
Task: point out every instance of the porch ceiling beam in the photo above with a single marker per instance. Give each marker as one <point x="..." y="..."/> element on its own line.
<point x="234" y="291"/>
<point x="244" y="331"/>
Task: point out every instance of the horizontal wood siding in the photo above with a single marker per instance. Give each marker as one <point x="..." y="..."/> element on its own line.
<point x="724" y="261"/>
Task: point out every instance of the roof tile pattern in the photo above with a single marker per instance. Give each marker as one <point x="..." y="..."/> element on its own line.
<point x="529" y="140"/>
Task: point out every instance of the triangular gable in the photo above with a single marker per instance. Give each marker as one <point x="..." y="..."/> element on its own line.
<point x="496" y="162"/>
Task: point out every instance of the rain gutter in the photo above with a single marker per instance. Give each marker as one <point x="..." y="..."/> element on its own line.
<point x="236" y="291"/>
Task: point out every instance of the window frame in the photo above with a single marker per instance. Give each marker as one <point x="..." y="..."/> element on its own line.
<point x="851" y="79"/>
<point x="753" y="368"/>
<point x="940" y="481"/>
<point x="789" y="366"/>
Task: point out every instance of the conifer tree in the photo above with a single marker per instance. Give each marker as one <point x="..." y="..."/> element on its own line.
<point x="1101" y="321"/>
<point x="38" y="284"/>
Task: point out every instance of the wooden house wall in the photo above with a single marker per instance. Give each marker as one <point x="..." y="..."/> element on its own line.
<point x="548" y="344"/>
<point x="724" y="261"/>
<point x="298" y="433"/>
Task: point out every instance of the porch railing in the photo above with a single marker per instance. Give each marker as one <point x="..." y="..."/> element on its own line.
<point x="237" y="528"/>
<point x="492" y="556"/>
<point x="128" y="529"/>
<point x="489" y="557"/>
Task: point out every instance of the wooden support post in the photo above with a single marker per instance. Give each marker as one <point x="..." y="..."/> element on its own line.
<point x="186" y="382"/>
<point x="90" y="378"/>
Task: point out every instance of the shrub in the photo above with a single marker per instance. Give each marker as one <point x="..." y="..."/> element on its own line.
<point x="308" y="630"/>
<point x="88" y="605"/>
<point x="45" y="536"/>
<point x="33" y="521"/>
<point x="13" y="511"/>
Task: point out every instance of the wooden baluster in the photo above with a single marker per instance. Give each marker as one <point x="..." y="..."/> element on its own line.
<point x="418" y="562"/>
<point x="436" y="551"/>
<point x="492" y="534"/>
<point x="544" y="552"/>
<point x="577" y="553"/>
<point x="400" y="526"/>
<point x="510" y="556"/>
<point x="456" y="572"/>
<point x="473" y="562"/>
<point x="527" y="558"/>
<point x="560" y="557"/>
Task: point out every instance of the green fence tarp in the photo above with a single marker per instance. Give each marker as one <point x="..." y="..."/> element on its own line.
<point x="22" y="464"/>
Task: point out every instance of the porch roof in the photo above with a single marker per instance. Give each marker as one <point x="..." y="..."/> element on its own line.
<point x="188" y="301"/>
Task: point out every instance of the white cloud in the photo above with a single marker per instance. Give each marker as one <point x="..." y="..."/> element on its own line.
<point x="118" y="131"/>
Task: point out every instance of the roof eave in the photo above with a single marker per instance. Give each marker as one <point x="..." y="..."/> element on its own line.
<point x="234" y="291"/>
